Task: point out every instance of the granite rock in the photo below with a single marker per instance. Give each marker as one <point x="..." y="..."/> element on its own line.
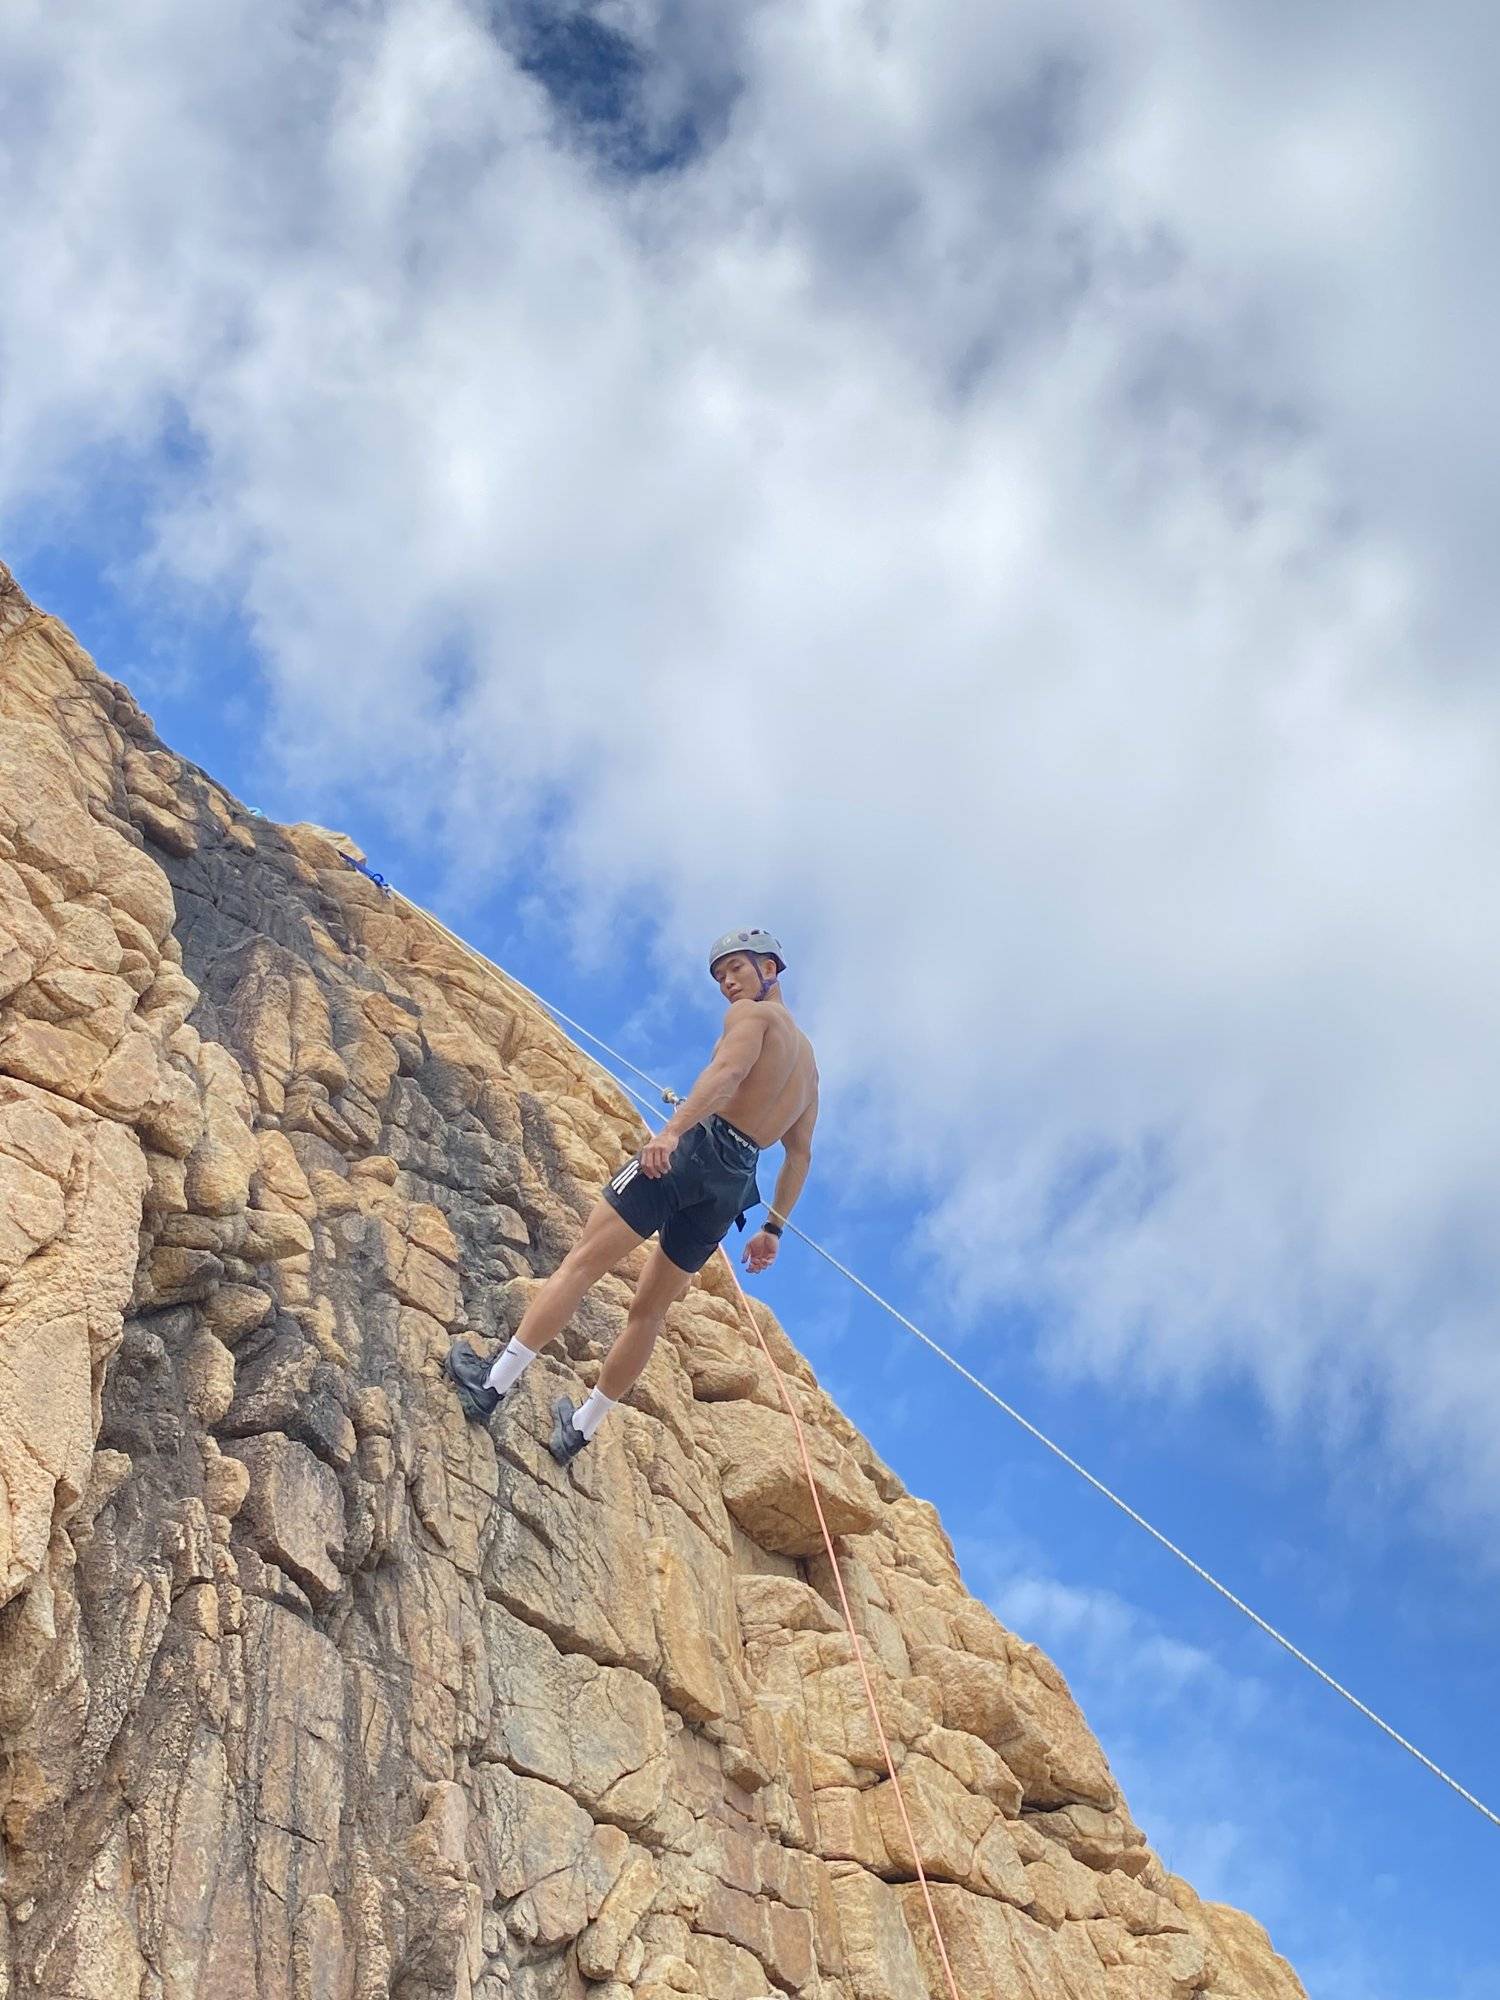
<point x="312" y="1690"/>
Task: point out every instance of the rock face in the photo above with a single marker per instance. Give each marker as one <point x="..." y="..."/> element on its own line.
<point x="310" y="1690"/>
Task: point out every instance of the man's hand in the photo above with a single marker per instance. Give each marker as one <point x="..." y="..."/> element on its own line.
<point x="656" y="1154"/>
<point x="760" y="1251"/>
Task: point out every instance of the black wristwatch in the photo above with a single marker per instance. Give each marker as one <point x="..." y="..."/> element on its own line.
<point x="772" y="1228"/>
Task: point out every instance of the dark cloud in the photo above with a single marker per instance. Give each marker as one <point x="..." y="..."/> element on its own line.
<point x="624" y="93"/>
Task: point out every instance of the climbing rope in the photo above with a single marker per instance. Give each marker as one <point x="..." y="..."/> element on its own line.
<point x="545" y="1009"/>
<point x="854" y="1638"/>
<point x="670" y="1097"/>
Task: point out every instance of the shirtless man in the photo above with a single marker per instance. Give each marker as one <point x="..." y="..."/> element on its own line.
<point x="685" y="1187"/>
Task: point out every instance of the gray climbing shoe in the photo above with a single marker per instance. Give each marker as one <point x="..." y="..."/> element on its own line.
<point x="567" y="1439"/>
<point x="470" y="1377"/>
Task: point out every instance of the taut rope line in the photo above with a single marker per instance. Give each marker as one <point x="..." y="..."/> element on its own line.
<point x="546" y="1008"/>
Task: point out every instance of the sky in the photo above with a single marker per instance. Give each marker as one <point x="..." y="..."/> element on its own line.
<point x="997" y="496"/>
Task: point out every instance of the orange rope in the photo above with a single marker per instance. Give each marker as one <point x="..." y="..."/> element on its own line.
<point x="791" y="1410"/>
<point x="859" y="1651"/>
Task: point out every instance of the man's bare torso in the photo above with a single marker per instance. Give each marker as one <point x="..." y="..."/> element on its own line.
<point x="781" y="1085"/>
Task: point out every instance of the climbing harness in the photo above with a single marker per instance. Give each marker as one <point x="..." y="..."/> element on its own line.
<point x="546" y="1009"/>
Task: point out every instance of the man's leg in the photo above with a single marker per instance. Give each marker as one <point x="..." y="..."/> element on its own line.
<point x="662" y="1284"/>
<point x="607" y="1240"/>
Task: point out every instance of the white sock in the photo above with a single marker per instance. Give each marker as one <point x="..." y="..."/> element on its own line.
<point x="591" y="1414"/>
<point x="511" y="1366"/>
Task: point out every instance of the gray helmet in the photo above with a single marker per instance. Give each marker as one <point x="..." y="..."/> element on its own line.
<point x="759" y="944"/>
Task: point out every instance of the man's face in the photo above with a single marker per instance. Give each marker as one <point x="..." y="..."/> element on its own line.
<point x="739" y="976"/>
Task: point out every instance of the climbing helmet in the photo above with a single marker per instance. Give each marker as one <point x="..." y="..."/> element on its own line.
<point x="760" y="944"/>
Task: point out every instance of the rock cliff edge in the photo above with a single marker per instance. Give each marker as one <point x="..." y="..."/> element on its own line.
<point x="311" y="1691"/>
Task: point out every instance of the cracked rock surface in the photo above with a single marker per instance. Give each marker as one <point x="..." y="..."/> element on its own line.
<point x="309" y="1690"/>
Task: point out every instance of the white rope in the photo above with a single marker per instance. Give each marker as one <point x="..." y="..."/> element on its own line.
<point x="670" y="1097"/>
<point x="1141" y="1522"/>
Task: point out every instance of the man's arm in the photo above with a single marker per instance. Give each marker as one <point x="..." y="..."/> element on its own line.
<point x="760" y="1251"/>
<point x="797" y="1149"/>
<point x="739" y="1045"/>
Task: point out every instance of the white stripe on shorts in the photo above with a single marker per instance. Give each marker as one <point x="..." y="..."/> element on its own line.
<point x="625" y="1176"/>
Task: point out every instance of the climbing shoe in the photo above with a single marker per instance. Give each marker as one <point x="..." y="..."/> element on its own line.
<point x="470" y="1377"/>
<point x="567" y="1439"/>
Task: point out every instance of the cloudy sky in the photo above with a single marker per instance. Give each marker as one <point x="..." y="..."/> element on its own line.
<point x="999" y="495"/>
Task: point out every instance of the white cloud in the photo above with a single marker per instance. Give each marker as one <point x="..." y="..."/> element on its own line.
<point x="1101" y="1634"/>
<point x="1007" y="509"/>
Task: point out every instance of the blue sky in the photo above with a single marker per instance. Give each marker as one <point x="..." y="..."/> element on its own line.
<point x="1000" y="502"/>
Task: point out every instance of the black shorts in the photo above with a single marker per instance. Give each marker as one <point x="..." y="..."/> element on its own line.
<point x="709" y="1185"/>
